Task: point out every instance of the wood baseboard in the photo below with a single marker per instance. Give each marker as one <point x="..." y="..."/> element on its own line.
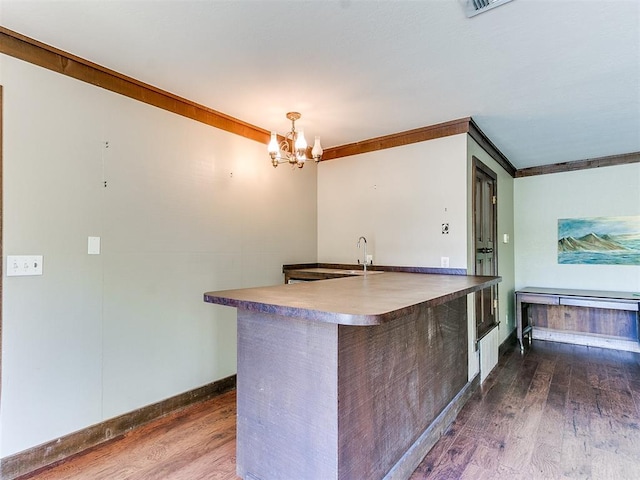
<point x="425" y="442"/>
<point x="509" y="343"/>
<point x="589" y="340"/>
<point x="55" y="451"/>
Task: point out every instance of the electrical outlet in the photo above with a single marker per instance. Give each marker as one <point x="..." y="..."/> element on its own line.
<point x="24" y="265"/>
<point x="445" y="229"/>
<point x="444" y="262"/>
<point x="369" y="259"/>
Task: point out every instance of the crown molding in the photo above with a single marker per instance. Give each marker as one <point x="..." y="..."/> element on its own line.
<point x="37" y="53"/>
<point x="399" y="139"/>
<point x="454" y="127"/>
<point x="609" y="161"/>
<point x="488" y="146"/>
<point x="46" y="56"/>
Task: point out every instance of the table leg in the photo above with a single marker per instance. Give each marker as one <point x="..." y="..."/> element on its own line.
<point x="519" y="322"/>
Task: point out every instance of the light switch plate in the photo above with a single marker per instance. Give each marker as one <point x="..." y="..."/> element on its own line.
<point x="93" y="246"/>
<point x="24" y="265"/>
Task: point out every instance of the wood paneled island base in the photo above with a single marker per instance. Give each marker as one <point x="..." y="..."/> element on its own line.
<point x="325" y="400"/>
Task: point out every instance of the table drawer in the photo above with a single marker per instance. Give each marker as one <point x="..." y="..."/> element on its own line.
<point x="600" y="303"/>
<point x="536" y="298"/>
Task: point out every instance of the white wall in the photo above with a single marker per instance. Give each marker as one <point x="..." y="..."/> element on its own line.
<point x="398" y="199"/>
<point x="187" y="209"/>
<point x="541" y="200"/>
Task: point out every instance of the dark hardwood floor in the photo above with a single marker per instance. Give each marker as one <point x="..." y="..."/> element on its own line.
<point x="196" y="443"/>
<point x="557" y="412"/>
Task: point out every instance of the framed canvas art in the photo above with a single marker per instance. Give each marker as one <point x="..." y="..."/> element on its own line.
<point x="599" y="240"/>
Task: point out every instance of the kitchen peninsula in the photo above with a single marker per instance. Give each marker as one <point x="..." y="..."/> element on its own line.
<point x="351" y="377"/>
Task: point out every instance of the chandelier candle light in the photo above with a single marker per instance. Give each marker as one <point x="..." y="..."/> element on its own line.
<point x="293" y="148"/>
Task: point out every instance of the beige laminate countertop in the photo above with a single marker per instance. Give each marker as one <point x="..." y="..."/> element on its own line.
<point x="357" y="300"/>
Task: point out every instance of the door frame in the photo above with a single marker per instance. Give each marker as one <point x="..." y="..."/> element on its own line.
<point x="479" y="165"/>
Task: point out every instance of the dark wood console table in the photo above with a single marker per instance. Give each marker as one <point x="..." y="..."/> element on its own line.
<point x="587" y="317"/>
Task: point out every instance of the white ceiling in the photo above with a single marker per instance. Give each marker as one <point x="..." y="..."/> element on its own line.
<point x="548" y="81"/>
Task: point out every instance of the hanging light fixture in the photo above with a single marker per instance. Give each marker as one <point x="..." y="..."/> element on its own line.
<point x="293" y="148"/>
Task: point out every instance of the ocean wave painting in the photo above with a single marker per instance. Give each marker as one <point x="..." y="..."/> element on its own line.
<point x="599" y="240"/>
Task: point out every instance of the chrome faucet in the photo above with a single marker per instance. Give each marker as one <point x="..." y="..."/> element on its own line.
<point x="365" y="253"/>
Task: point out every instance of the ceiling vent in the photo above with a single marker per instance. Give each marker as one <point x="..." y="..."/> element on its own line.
<point x="474" y="7"/>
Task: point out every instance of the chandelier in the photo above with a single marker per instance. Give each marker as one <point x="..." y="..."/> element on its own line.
<point x="293" y="148"/>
